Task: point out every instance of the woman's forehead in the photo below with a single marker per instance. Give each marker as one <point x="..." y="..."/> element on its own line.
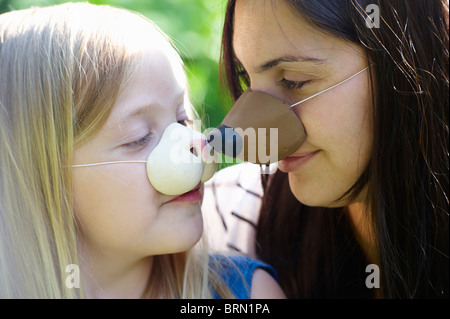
<point x="271" y="32"/>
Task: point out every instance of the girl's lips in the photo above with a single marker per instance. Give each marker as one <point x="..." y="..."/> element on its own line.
<point x="294" y="162"/>
<point x="190" y="197"/>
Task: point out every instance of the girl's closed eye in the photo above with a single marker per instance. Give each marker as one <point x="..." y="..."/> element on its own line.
<point x="144" y="140"/>
<point x="141" y="142"/>
<point x="293" y="85"/>
<point x="185" y="122"/>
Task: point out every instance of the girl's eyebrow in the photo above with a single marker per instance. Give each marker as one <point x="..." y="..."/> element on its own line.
<point x="140" y="110"/>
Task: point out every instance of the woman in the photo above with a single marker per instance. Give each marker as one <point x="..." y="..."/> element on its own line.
<point x="86" y="93"/>
<point x="361" y="208"/>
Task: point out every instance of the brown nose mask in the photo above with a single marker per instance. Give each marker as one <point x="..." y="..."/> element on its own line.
<point x="259" y="128"/>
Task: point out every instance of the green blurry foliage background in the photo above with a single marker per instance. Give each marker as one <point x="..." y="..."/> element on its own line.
<point x="195" y="27"/>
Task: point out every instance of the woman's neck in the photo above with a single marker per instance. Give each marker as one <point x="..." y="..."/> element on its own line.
<point x="365" y="235"/>
<point x="364" y="231"/>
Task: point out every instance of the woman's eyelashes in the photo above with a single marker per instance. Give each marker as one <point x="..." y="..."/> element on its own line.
<point x="292" y="85"/>
<point x="284" y="83"/>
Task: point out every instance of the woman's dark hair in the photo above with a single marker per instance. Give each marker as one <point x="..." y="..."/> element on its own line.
<point x="314" y="250"/>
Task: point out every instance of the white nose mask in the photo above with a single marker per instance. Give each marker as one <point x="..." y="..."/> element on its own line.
<point x="181" y="160"/>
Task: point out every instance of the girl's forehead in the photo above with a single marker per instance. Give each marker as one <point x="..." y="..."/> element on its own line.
<point x="156" y="77"/>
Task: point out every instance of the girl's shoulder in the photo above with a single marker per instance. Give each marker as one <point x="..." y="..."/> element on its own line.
<point x="237" y="272"/>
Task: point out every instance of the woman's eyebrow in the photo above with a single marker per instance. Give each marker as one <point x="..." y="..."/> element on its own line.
<point x="288" y="58"/>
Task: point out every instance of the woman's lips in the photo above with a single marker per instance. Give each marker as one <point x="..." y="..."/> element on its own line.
<point x="190" y="197"/>
<point x="294" y="162"/>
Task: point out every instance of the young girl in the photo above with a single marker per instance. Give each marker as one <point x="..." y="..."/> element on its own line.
<point x="86" y="93"/>
<point x="361" y="208"/>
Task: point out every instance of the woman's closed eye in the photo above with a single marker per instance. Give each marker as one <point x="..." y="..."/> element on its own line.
<point x="292" y="85"/>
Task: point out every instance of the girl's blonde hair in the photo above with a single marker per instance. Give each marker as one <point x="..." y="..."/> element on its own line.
<point x="61" y="69"/>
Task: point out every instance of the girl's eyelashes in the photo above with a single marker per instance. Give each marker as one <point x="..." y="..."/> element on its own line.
<point x="185" y="122"/>
<point x="292" y="85"/>
<point x="143" y="141"/>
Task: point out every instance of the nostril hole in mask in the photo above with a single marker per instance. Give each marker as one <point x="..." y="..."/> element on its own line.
<point x="193" y="151"/>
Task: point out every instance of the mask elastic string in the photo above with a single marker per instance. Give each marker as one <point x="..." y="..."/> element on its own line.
<point x="347" y="79"/>
<point x="107" y="163"/>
